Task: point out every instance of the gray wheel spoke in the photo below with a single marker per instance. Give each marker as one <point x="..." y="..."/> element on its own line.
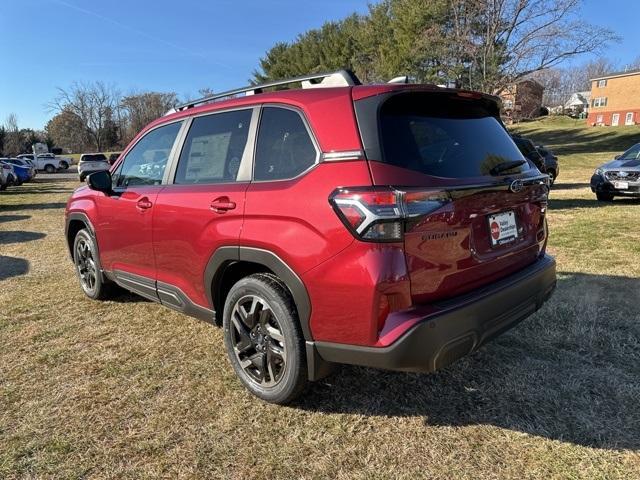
<point x="275" y="333"/>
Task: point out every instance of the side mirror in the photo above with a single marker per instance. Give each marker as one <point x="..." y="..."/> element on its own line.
<point x="617" y="157"/>
<point x="100" y="181"/>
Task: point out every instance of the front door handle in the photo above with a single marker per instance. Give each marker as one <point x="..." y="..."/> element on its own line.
<point x="144" y="204"/>
<point x="222" y="205"/>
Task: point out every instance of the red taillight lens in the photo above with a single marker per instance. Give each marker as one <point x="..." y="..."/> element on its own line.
<point x="377" y="214"/>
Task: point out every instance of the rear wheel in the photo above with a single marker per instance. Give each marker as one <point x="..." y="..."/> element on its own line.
<point x="263" y="338"/>
<point x="49" y="168"/>
<point x="85" y="258"/>
<point x="604" y="197"/>
<point x="552" y="176"/>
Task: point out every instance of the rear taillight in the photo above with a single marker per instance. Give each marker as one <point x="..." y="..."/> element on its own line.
<point x="378" y="214"/>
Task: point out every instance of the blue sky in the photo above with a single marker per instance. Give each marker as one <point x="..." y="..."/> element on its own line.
<point x="177" y="46"/>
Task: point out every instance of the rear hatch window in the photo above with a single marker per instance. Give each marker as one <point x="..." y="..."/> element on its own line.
<point x="446" y="136"/>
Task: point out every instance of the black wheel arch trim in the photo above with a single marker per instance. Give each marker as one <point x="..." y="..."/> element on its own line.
<point x="227" y="254"/>
<point x="84" y="219"/>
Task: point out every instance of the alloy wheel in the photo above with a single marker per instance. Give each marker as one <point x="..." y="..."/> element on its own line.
<point x="86" y="265"/>
<point x="258" y="342"/>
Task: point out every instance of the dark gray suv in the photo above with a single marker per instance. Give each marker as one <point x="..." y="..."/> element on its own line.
<point x="619" y="177"/>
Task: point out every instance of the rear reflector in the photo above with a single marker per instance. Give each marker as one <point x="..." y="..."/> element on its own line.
<point x="377" y="214"/>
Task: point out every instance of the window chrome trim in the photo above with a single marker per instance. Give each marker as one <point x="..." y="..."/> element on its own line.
<point x="247" y="156"/>
<point x="314" y="142"/>
<point x="342" y="155"/>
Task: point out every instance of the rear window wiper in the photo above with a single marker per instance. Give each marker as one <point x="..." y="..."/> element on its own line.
<point x="504" y="166"/>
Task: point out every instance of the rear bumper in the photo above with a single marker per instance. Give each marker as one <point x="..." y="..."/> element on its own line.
<point x="459" y="327"/>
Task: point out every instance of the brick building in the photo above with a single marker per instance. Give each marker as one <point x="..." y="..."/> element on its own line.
<point x="615" y="99"/>
<point x="522" y="99"/>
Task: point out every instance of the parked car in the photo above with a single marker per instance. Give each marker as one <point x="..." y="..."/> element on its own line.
<point x="550" y="162"/>
<point x="22" y="173"/>
<point x="47" y="162"/>
<point x="30" y="170"/>
<point x="7" y="175"/>
<point x="391" y="226"/>
<point x="530" y="152"/>
<point x="113" y="157"/>
<point x="91" y="162"/>
<point x="619" y="177"/>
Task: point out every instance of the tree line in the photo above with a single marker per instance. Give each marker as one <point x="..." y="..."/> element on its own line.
<point x="475" y="44"/>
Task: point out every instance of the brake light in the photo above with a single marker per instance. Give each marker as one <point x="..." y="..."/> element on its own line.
<point x="377" y="214"/>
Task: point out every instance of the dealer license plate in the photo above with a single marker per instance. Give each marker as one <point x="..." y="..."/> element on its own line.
<point x="621" y="185"/>
<point x="503" y="228"/>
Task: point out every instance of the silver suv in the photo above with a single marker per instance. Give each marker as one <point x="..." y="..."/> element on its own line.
<point x="92" y="162"/>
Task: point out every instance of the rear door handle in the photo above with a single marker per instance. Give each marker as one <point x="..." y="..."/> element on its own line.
<point x="144" y="203"/>
<point x="222" y="205"/>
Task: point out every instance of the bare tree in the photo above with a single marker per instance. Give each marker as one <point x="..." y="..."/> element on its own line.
<point x="139" y="109"/>
<point x="94" y="104"/>
<point x="13" y="141"/>
<point x="516" y="38"/>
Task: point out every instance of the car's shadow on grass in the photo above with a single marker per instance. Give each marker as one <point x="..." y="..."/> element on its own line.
<point x="19" y="236"/>
<point x="13" y="218"/>
<point x="569" y="203"/>
<point x="12" y="267"/>
<point x="570" y="373"/>
<point x="568" y="186"/>
<point x="32" y="206"/>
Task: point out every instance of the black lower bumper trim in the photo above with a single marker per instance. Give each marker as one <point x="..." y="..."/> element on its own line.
<point x="460" y="327"/>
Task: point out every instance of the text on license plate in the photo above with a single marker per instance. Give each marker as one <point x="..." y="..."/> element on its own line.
<point x="503" y="228"/>
<point x="621" y="185"/>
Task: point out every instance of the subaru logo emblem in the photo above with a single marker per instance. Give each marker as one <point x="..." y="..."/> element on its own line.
<point x="516" y="186"/>
<point x="622" y="174"/>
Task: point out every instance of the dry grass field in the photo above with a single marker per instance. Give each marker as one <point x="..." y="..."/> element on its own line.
<point x="128" y="389"/>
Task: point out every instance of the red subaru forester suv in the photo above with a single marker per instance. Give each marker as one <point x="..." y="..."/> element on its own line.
<point x="394" y="226"/>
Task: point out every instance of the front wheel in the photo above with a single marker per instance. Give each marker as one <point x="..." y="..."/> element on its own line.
<point x="64" y="165"/>
<point x="604" y="197"/>
<point x="263" y="339"/>
<point x="87" y="263"/>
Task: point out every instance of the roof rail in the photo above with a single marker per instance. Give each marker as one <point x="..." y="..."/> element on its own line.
<point x="339" y="78"/>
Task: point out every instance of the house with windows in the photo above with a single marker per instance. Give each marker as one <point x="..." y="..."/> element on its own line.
<point x="578" y="103"/>
<point x="615" y="99"/>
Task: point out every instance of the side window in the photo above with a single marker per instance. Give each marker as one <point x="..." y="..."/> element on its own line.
<point x="146" y="161"/>
<point x="284" y="148"/>
<point x="214" y="147"/>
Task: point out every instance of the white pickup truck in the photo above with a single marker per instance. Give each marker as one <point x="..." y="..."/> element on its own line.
<point x="48" y="161"/>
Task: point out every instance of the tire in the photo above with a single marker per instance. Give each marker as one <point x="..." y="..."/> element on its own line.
<point x="3" y="186"/>
<point x="552" y="176"/>
<point x="266" y="350"/>
<point x="604" y="197"/>
<point x="88" y="270"/>
<point x="64" y="165"/>
<point x="82" y="177"/>
<point x="49" y="168"/>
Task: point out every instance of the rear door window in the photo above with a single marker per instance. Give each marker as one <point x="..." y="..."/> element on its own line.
<point x="284" y="148"/>
<point x="214" y="148"/>
<point x="445" y="137"/>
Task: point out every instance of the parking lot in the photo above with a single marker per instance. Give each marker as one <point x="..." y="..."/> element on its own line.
<point x="129" y="389"/>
